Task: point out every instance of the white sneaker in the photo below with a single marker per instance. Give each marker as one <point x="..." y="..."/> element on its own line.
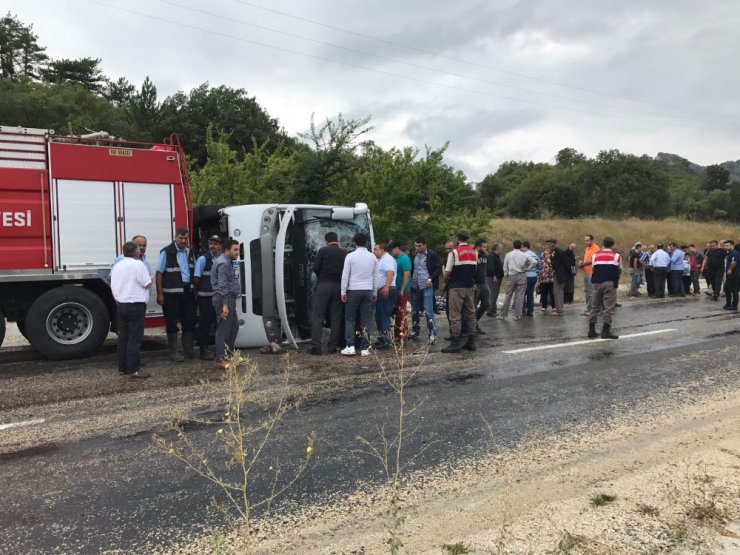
<point x="363" y="353"/>
<point x="348" y="351"/>
<point x="432" y="339"/>
<point x="500" y="317"/>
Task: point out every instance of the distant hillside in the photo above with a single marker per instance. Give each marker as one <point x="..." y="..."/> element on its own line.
<point x="676" y="160"/>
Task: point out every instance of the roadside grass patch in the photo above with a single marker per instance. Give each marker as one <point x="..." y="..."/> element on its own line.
<point x="647" y="510"/>
<point x="601" y="499"/>
<point x="568" y="542"/>
<point x="458" y="548"/>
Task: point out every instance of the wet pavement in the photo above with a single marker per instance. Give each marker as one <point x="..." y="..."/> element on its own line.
<point x="106" y="493"/>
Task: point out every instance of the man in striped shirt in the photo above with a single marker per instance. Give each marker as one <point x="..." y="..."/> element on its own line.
<point x="606" y="266"/>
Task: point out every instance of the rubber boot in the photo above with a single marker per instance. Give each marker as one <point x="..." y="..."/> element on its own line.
<point x="606" y="332"/>
<point x="454" y="346"/>
<point x="172" y="344"/>
<point x="187" y="344"/>
<point x="470" y="345"/>
<point x="205" y="354"/>
<point x="592" y="333"/>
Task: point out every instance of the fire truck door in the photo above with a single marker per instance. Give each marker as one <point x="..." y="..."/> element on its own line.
<point x="147" y="211"/>
<point x="86" y="231"/>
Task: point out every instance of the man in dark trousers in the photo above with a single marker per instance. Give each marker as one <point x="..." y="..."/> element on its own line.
<point x="460" y="271"/>
<point x="204" y="292"/>
<point x="130" y="283"/>
<point x="482" y="293"/>
<point x="732" y="275"/>
<point x="226" y="289"/>
<point x="327" y="296"/>
<point x="561" y="271"/>
<point x="607" y="266"/>
<point x="175" y="269"/>
<point x="714" y="265"/>
<point x="494" y="275"/>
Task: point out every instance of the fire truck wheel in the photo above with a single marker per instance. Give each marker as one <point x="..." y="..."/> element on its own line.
<point x="67" y="322"/>
<point x="2" y="329"/>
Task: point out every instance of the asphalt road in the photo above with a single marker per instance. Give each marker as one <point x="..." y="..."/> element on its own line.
<point x="119" y="493"/>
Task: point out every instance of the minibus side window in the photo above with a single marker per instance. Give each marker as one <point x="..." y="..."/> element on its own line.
<point x="255" y="256"/>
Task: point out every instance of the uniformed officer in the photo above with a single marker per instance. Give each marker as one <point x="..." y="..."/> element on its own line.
<point x="226" y="289"/>
<point x="204" y="293"/>
<point x="175" y="269"/>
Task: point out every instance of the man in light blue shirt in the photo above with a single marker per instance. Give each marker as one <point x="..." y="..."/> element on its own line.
<point x="531" y="279"/>
<point x="660" y="262"/>
<point x="140" y="240"/>
<point x="677" y="259"/>
<point x="386" y="296"/>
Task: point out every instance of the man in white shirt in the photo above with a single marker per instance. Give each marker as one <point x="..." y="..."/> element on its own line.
<point x="130" y="282"/>
<point x="359" y="283"/>
<point x="516" y="266"/>
<point x="387" y="294"/>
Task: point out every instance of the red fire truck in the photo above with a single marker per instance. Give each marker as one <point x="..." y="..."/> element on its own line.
<point x="67" y="205"/>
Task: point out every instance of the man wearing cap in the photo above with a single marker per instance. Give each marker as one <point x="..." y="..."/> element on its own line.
<point x="606" y="266"/>
<point x="204" y="291"/>
<point x="460" y="269"/>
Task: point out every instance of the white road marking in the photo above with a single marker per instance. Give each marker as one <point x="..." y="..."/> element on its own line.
<point x="586" y="341"/>
<point x="21" y="424"/>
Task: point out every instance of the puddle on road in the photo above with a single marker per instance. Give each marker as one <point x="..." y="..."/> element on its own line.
<point x="35" y="451"/>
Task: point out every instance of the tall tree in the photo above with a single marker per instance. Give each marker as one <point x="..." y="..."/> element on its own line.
<point x="716" y="177"/>
<point x="227" y="109"/>
<point x="20" y="52"/>
<point x="84" y="71"/>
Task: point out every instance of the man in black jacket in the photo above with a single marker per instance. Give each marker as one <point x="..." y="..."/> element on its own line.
<point x="328" y="266"/>
<point x="561" y="271"/>
<point x="494" y="275"/>
<point x="426" y="268"/>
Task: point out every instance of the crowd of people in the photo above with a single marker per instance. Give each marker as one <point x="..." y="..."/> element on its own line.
<point x="469" y="281"/>
<point x="385" y="278"/>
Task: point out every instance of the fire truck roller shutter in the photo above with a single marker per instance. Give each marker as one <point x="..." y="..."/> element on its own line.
<point x="67" y="322"/>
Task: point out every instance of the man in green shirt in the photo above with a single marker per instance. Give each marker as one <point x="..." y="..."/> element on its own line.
<point x="403" y="285"/>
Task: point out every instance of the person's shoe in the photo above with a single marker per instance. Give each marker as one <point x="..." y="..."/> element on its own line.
<point x="187" y="344"/>
<point x="715" y="298"/>
<point x="453" y="347"/>
<point x="315" y="351"/>
<point x="139" y="375"/>
<point x="491" y="314"/>
<point x="606" y="332"/>
<point x="175" y="355"/>
<point x="381" y="346"/>
<point x="348" y="351"/>
<point x="544" y="309"/>
<point x="366" y="352"/>
<point x="500" y="317"/>
<point x="726" y="307"/>
<point x="122" y="372"/>
<point x="592" y="333"/>
<point x="617" y="305"/>
<point x="556" y="313"/>
<point x="586" y="313"/>
<point x="222" y="364"/>
<point x="517" y="317"/>
<point x="414" y="335"/>
<point x="480" y="332"/>
<point x="529" y="315"/>
<point x="205" y="354"/>
<point x="432" y="339"/>
<point x="470" y="345"/>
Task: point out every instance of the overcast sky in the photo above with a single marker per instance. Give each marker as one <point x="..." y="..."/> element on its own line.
<point x="499" y="80"/>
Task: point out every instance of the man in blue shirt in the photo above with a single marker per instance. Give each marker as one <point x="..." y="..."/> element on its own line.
<point x="174" y="269"/>
<point x="226" y="289"/>
<point x="660" y="262"/>
<point x="140" y="240"/>
<point x="204" y="291"/>
<point x="677" y="259"/>
<point x="732" y="275"/>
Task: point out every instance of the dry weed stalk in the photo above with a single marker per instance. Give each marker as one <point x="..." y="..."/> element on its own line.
<point x="244" y="439"/>
<point x="397" y="372"/>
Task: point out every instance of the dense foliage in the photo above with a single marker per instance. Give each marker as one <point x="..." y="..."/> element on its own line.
<point x="239" y="154"/>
